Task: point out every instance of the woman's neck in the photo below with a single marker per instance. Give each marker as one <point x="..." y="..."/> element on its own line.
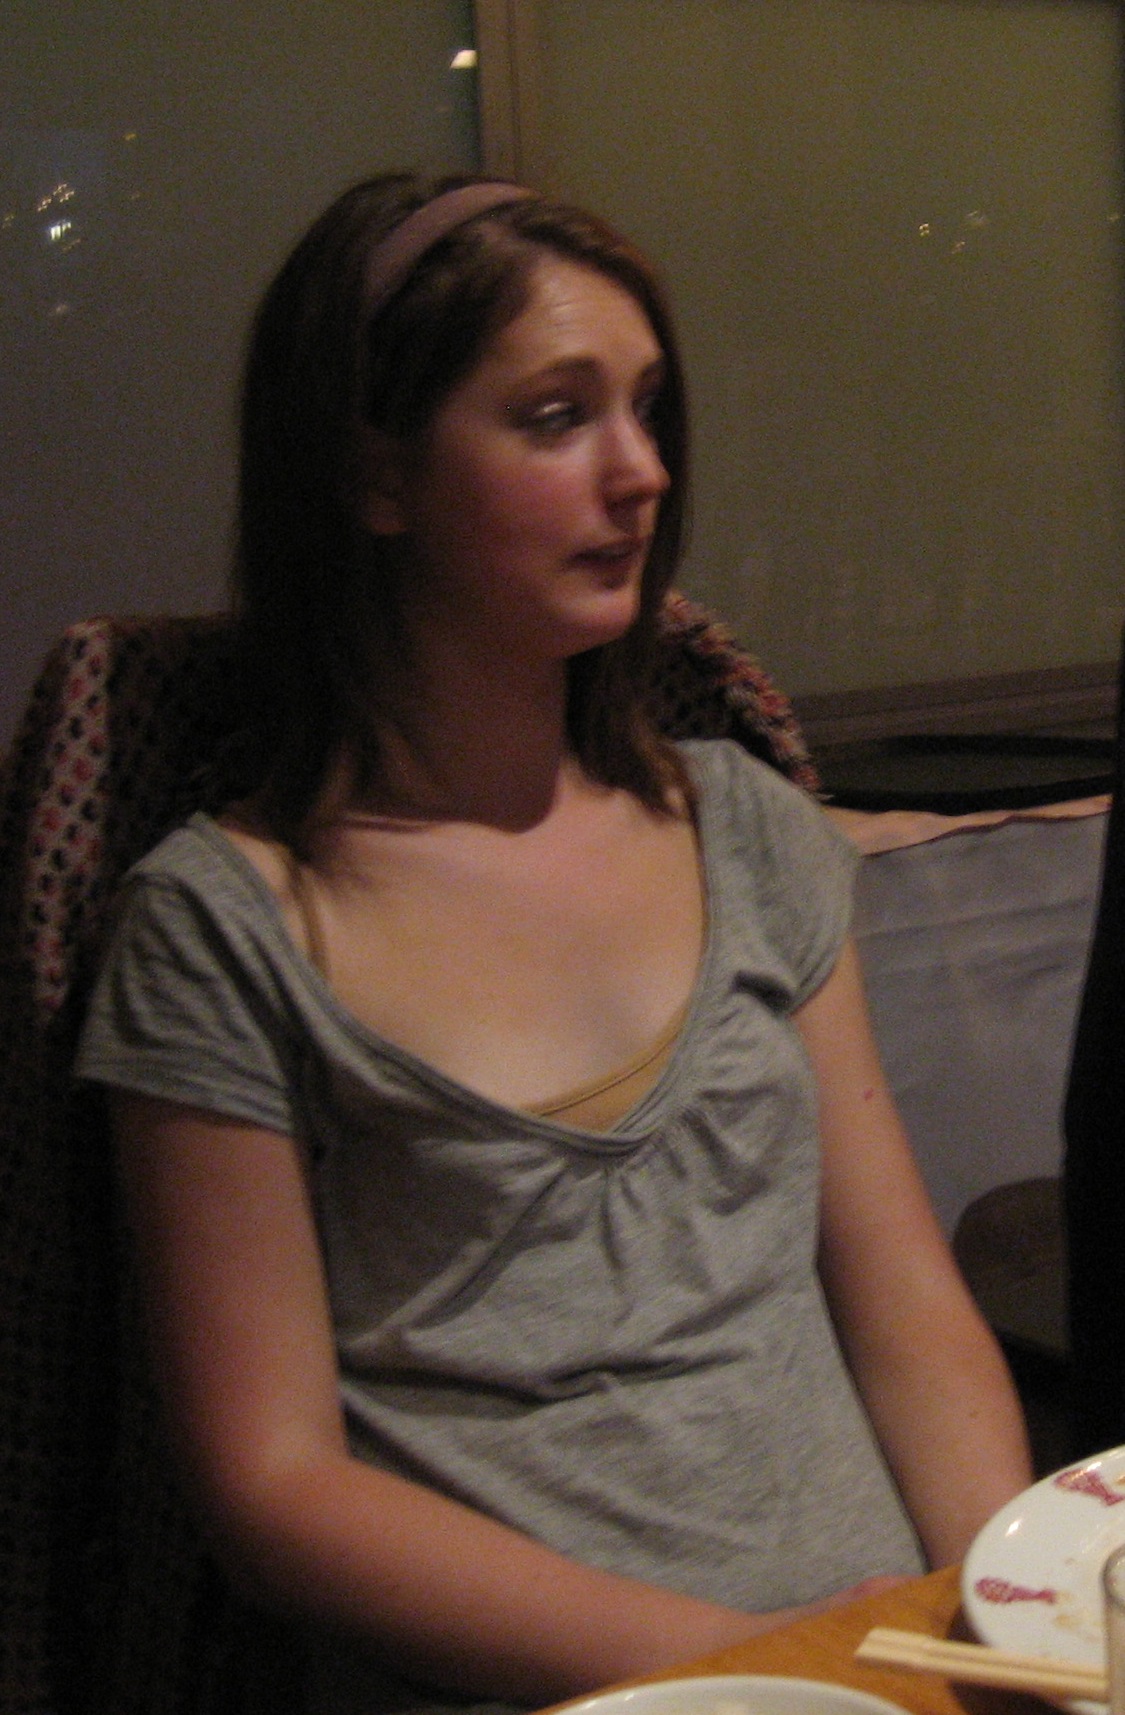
<point x="464" y="746"/>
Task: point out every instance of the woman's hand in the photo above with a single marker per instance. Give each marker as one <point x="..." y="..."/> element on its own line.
<point x="930" y="1373"/>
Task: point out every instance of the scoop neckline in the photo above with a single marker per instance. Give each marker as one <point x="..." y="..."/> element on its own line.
<point x="631" y="1129"/>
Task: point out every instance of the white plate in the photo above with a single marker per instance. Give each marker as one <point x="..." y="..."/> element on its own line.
<point x="736" y="1694"/>
<point x="1031" y="1580"/>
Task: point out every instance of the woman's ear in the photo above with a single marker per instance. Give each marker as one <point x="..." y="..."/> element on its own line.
<point x="381" y="483"/>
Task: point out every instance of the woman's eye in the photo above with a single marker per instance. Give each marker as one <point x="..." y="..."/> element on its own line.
<point x="553" y="418"/>
<point x="646" y="409"/>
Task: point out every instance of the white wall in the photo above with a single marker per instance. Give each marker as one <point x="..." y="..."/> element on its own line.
<point x="893" y="232"/>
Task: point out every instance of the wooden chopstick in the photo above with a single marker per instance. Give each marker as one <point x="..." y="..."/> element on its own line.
<point x="977" y="1664"/>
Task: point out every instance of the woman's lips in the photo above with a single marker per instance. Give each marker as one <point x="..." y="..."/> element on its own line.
<point x="612" y="553"/>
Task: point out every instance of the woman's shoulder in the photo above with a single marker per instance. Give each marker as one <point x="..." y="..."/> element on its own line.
<point x="196" y="853"/>
<point x="229" y="870"/>
<point x="195" y="916"/>
<point x="196" y="872"/>
<point x="768" y="844"/>
<point x="726" y="774"/>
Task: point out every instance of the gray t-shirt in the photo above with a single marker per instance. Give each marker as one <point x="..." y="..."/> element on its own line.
<point x="614" y="1341"/>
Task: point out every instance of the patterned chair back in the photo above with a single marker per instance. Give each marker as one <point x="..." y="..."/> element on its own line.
<point x="110" y="1603"/>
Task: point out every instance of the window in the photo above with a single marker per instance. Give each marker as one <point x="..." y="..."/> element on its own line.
<point x="151" y="180"/>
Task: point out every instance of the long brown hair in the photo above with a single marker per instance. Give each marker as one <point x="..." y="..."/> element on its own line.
<point x="318" y="632"/>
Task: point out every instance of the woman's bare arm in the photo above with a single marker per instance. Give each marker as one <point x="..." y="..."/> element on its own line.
<point x="929" y="1370"/>
<point x="244" y="1350"/>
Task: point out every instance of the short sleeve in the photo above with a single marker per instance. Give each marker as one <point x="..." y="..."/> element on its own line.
<point x="777" y="853"/>
<point x="176" y="1013"/>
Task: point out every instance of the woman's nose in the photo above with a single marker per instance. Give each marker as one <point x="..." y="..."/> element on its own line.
<point x="633" y="468"/>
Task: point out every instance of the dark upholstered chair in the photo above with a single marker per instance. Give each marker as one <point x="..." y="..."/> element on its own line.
<point x="1094" y="1170"/>
<point x="109" y="1603"/>
<point x="1046" y="1258"/>
<point x="1010" y="1245"/>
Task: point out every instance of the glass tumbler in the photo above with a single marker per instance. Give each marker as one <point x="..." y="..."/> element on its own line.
<point x="1113" y="1585"/>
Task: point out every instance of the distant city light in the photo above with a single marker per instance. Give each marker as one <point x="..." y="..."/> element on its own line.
<point x="61" y="193"/>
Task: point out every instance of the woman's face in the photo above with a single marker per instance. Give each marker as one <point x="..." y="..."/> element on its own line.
<point x="531" y="504"/>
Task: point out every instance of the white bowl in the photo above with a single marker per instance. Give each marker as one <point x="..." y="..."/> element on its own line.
<point x="736" y="1694"/>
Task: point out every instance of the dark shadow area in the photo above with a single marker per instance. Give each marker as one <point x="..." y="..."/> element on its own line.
<point x="955" y="773"/>
<point x="1045" y="1390"/>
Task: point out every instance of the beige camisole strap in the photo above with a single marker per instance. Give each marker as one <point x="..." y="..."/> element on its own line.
<point x="305" y="901"/>
<point x="597" y="1106"/>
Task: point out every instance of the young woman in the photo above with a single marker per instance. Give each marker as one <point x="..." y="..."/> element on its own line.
<point x="539" y="1281"/>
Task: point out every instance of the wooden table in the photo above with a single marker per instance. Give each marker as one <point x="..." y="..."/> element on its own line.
<point x="824" y="1648"/>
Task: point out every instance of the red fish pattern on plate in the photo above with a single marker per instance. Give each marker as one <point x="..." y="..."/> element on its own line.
<point x="1081" y="1480"/>
<point x="1000" y="1590"/>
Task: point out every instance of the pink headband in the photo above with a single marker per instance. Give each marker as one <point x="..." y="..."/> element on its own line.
<point x="393" y="261"/>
